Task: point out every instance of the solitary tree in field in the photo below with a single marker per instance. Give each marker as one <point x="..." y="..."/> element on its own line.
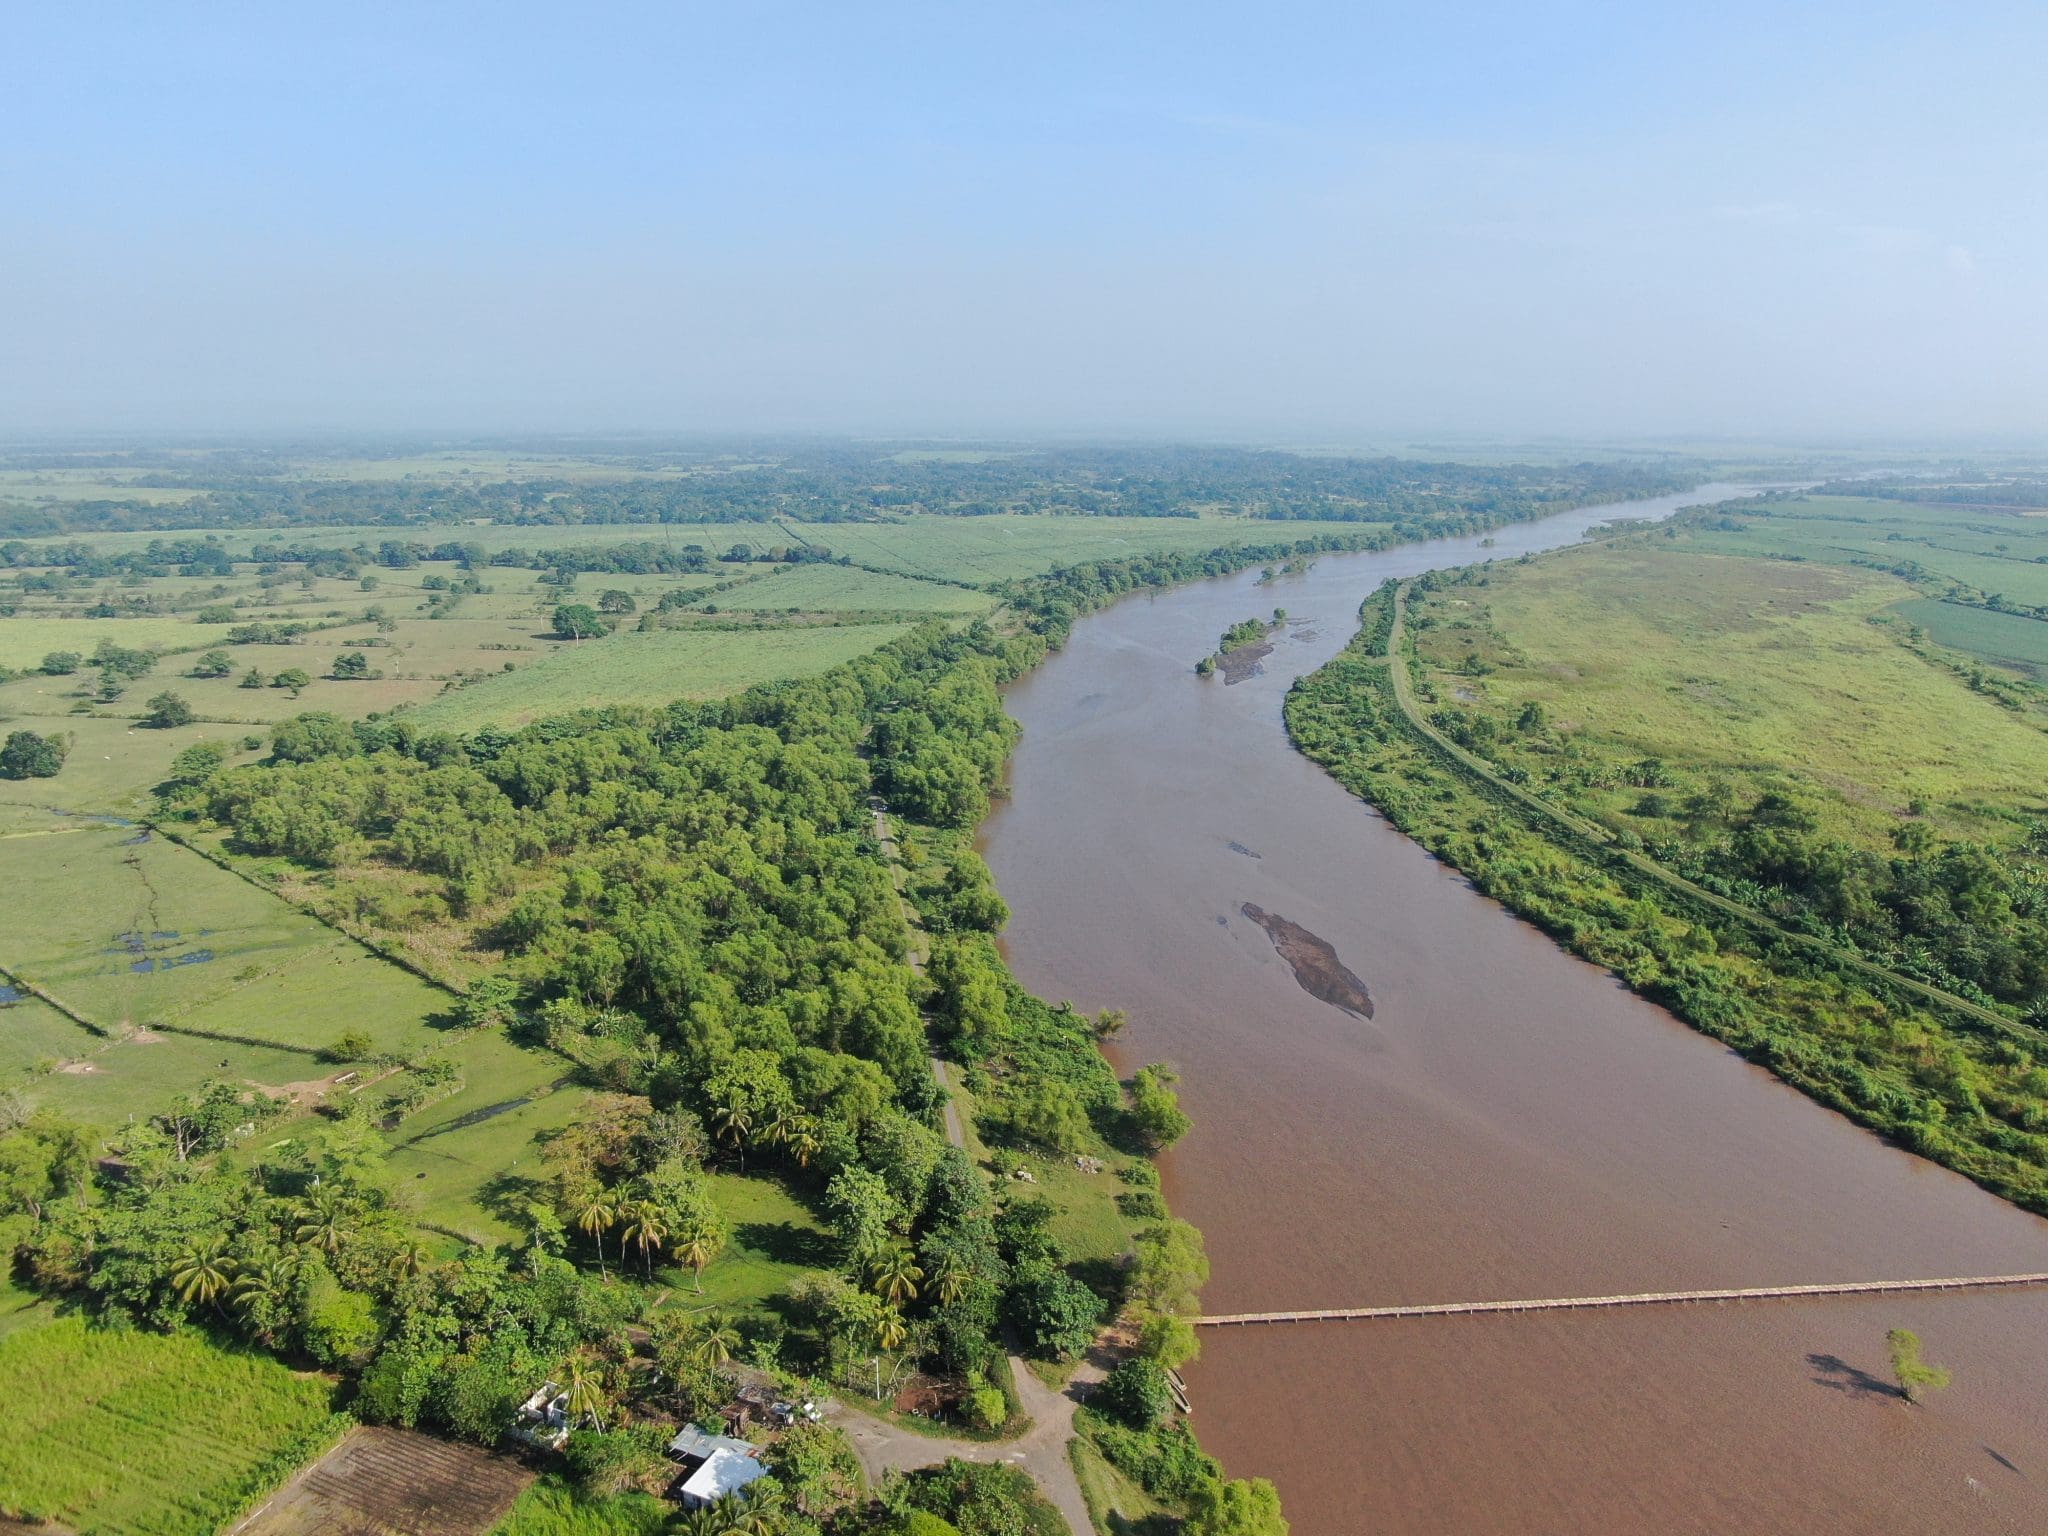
<point x="351" y="664"/>
<point x="167" y="710"/>
<point x="1915" y="1375"/>
<point x="578" y="621"/>
<point x="29" y="756"/>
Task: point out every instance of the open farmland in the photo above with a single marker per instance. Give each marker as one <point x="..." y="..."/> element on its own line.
<point x="1759" y="673"/>
<point x="394" y="1482"/>
<point x="634" y="668"/>
<point x="850" y="589"/>
<point x="1983" y="551"/>
<point x="2004" y="639"/>
<point x="106" y="1434"/>
<point x="188" y="972"/>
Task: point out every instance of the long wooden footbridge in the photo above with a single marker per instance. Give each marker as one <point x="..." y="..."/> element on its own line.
<point x="1639" y="1299"/>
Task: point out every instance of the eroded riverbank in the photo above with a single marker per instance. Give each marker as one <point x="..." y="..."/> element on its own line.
<point x="1509" y="1123"/>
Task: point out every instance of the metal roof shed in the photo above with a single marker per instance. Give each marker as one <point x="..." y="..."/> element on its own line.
<point x="725" y="1473"/>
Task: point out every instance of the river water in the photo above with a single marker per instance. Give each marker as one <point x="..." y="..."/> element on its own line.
<point x="1508" y="1123"/>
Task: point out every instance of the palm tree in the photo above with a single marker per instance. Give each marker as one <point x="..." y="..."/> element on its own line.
<point x="322" y="1220"/>
<point x="262" y="1291"/>
<point x="410" y="1260"/>
<point x="717" y="1341"/>
<point x="732" y="1122"/>
<point x="204" y="1270"/>
<point x="949" y="1281"/>
<point x="706" y="1520"/>
<point x="596" y="1215"/>
<point x="891" y="1330"/>
<point x="802" y="1140"/>
<point x="895" y="1276"/>
<point x="586" y="1394"/>
<point x="744" y="1514"/>
<point x="645" y="1230"/>
<point x="697" y="1246"/>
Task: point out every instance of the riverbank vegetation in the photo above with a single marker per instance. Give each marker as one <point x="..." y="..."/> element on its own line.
<point x="1770" y="734"/>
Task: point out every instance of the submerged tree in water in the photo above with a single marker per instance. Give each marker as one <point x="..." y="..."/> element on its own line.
<point x="1914" y="1374"/>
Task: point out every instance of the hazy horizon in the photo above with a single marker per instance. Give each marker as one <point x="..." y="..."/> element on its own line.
<point x="1300" y="225"/>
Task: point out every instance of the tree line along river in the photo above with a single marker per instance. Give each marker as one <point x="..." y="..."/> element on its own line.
<point x="1504" y="1122"/>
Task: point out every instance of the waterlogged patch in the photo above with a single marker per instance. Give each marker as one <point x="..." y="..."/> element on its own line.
<point x="1316" y="967"/>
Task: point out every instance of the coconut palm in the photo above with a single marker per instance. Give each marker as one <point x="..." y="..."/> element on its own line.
<point x="204" y="1270"/>
<point x="410" y="1259"/>
<point x="802" y="1143"/>
<point x="697" y="1245"/>
<point x="895" y="1276"/>
<point x="597" y="1214"/>
<point x="891" y="1330"/>
<point x="322" y="1220"/>
<point x="586" y="1394"/>
<point x="749" y="1514"/>
<point x="262" y="1293"/>
<point x="644" y="1229"/>
<point x="949" y="1281"/>
<point x="732" y="1122"/>
<point x="716" y="1341"/>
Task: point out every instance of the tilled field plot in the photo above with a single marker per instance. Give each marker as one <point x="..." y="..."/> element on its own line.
<point x="392" y="1482"/>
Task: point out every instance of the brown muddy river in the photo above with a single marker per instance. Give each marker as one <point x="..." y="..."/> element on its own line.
<point x="1507" y="1123"/>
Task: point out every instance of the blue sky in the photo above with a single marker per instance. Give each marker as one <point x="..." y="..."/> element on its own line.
<point x="1281" y="222"/>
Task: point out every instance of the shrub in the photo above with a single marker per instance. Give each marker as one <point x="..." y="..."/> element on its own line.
<point x="1137" y="1393"/>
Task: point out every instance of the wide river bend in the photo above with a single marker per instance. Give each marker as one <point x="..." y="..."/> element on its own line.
<point x="1508" y="1123"/>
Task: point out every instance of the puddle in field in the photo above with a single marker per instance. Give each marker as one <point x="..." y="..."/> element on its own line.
<point x="150" y="963"/>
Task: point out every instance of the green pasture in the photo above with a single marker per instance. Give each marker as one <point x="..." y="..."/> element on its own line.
<point x="2004" y="639"/>
<point x="850" y="589"/>
<point x="153" y="944"/>
<point x="773" y="1242"/>
<point x="143" y="1434"/>
<point x="653" y="668"/>
<point x="1757" y="672"/>
<point x="25" y="639"/>
<point x="1992" y="552"/>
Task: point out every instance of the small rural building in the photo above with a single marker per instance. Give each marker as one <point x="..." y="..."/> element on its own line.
<point x="543" y="1419"/>
<point x="714" y="1467"/>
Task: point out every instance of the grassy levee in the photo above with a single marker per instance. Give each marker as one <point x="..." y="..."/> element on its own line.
<point x="1603" y="845"/>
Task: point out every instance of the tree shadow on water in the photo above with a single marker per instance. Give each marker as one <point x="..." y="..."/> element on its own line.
<point x="1838" y="1375"/>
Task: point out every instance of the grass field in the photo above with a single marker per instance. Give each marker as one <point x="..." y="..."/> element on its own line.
<point x="849" y="589"/>
<point x="25" y="639"/>
<point x="553" y="1507"/>
<point x="632" y="668"/>
<point x="1758" y="672"/>
<point x="774" y="1242"/>
<point x="147" y="940"/>
<point x="1987" y="551"/>
<point x="143" y="1434"/>
<point x="2004" y="639"/>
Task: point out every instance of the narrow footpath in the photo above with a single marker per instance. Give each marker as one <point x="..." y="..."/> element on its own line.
<point x="1042" y="1449"/>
